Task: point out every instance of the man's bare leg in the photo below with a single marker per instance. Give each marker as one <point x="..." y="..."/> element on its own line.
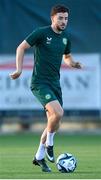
<point x="54" y="113"/>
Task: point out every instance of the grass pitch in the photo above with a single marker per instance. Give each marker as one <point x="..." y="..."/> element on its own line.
<point x="16" y="153"/>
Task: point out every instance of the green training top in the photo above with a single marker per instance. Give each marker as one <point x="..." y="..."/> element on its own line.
<point x="49" y="48"/>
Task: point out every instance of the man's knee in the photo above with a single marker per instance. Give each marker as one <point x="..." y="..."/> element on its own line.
<point x="54" y="109"/>
<point x="58" y="114"/>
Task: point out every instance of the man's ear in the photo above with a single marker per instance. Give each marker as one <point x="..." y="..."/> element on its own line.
<point x="51" y="18"/>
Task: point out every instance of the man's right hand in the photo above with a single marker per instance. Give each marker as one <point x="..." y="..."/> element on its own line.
<point x="15" y="74"/>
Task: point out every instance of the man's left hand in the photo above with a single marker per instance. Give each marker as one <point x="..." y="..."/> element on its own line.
<point x="77" y="65"/>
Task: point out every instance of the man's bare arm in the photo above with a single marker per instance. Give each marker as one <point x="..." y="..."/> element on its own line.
<point x="70" y="62"/>
<point x="19" y="59"/>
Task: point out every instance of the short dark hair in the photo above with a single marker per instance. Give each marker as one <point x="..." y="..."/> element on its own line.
<point x="59" y="8"/>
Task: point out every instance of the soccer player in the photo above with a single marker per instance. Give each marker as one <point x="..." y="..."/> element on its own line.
<point x="51" y="44"/>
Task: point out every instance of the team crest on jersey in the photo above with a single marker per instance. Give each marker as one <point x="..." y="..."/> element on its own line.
<point x="64" y="41"/>
<point x="49" y="39"/>
<point x="47" y="96"/>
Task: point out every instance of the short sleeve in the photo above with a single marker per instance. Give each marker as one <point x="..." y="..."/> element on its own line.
<point x="68" y="47"/>
<point x="34" y="37"/>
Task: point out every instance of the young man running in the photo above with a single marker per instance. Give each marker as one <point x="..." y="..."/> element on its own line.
<point x="51" y="44"/>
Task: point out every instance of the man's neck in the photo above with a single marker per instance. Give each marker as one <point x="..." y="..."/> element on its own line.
<point x="55" y="29"/>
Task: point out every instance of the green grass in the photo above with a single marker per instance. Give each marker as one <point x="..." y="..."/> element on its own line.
<point x="16" y="153"/>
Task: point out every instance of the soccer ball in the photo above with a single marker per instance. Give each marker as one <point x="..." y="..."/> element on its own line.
<point x="66" y="163"/>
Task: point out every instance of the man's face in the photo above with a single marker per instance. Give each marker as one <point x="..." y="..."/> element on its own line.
<point x="60" y="20"/>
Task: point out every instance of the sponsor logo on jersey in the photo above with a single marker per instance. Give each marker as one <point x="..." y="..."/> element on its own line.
<point x="47" y="96"/>
<point x="49" y="39"/>
<point x="64" y="41"/>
